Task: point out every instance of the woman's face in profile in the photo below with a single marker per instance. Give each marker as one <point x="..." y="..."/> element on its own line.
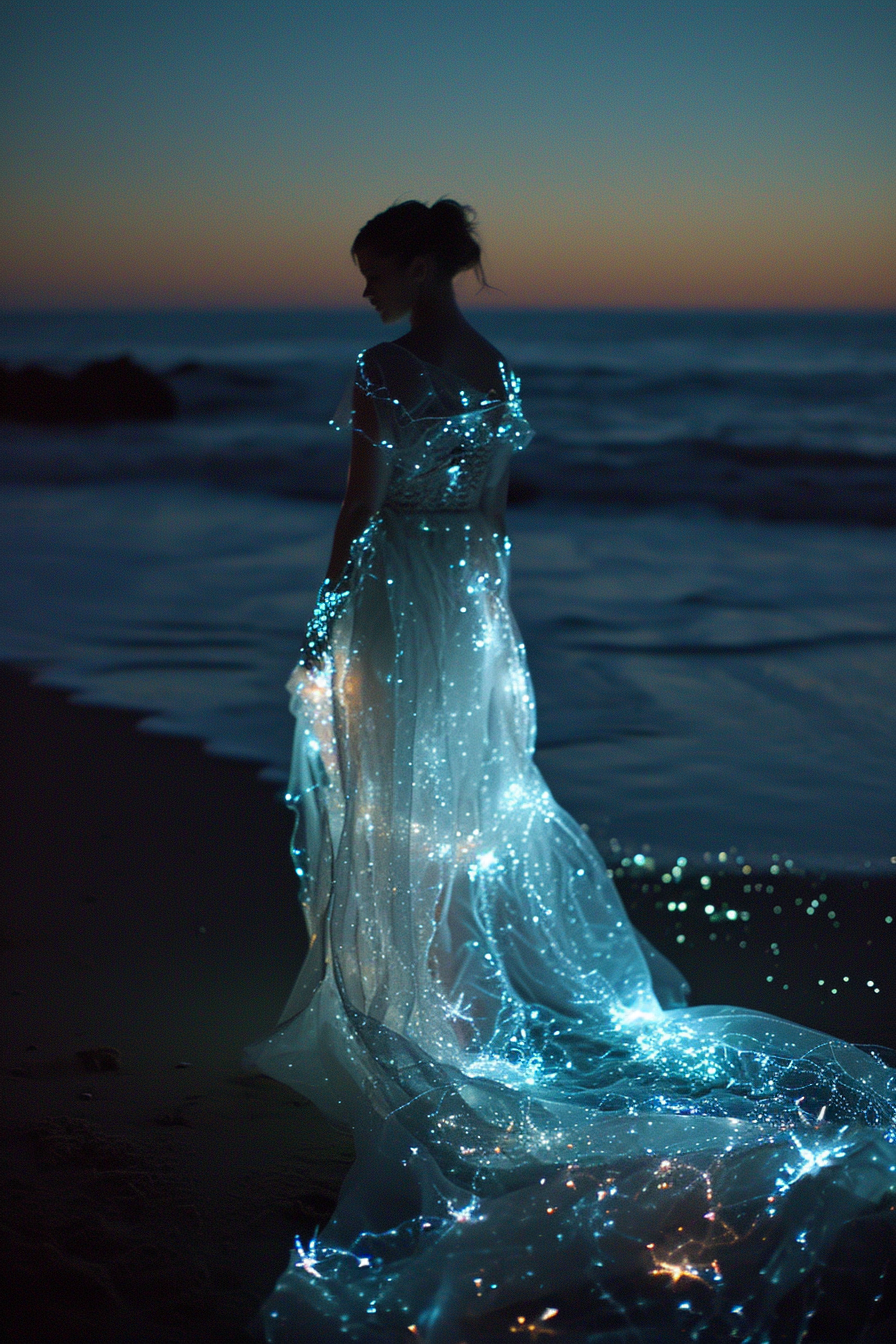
<point x="391" y="287"/>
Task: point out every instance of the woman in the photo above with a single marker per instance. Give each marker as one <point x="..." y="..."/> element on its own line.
<point x="548" y="1139"/>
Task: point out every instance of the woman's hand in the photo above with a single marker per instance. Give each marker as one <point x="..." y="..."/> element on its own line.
<point x="330" y="602"/>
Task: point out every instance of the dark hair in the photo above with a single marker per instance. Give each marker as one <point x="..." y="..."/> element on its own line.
<point x="445" y="230"/>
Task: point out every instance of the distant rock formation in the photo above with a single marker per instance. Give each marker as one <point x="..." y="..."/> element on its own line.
<point x="107" y="389"/>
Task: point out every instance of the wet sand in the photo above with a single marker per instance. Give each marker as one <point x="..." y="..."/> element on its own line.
<point x="152" y="1188"/>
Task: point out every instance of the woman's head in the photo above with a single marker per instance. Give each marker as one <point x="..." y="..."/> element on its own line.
<point x="444" y="232"/>
<point x="413" y="251"/>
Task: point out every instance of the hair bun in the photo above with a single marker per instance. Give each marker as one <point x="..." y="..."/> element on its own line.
<point x="446" y="230"/>
<point x="453" y="232"/>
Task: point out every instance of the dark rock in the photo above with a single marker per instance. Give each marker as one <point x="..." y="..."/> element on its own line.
<point x="108" y="389"/>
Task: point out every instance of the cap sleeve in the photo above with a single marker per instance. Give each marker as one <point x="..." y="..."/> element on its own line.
<point x="366" y="377"/>
<point x="395" y="385"/>
<point x="342" y="416"/>
<point x="516" y="430"/>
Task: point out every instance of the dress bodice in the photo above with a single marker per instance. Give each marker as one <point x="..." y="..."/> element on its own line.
<point x="446" y="442"/>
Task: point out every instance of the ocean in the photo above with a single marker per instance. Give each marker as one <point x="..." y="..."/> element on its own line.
<point x="703" y="556"/>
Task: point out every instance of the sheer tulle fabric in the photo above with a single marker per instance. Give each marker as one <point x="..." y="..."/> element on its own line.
<point x="548" y="1138"/>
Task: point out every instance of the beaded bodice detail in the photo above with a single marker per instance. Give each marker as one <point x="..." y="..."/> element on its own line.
<point x="447" y="467"/>
<point x="445" y="441"/>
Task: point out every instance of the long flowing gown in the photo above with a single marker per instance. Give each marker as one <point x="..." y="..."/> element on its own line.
<point x="549" y="1142"/>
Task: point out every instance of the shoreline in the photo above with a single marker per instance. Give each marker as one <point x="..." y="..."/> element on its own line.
<point x="700" y="683"/>
<point x="151" y="911"/>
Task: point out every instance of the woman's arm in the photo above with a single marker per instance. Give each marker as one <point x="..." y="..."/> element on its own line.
<point x="493" y="501"/>
<point x="368" y="476"/>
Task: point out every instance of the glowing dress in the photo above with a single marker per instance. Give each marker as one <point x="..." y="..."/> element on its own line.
<point x="546" y="1135"/>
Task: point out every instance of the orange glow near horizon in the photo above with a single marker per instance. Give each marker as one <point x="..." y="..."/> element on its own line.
<point x="719" y="258"/>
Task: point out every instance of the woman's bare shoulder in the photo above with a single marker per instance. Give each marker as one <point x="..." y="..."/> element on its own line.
<point x="468" y="356"/>
<point x="490" y="358"/>
<point x="483" y="366"/>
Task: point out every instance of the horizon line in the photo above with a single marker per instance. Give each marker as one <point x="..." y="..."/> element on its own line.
<point x="122" y="309"/>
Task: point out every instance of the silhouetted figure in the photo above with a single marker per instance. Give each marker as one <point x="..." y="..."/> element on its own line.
<point x="549" y="1140"/>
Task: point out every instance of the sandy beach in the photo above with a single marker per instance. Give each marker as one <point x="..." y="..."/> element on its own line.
<point x="151" y="1187"/>
<point x="151" y="930"/>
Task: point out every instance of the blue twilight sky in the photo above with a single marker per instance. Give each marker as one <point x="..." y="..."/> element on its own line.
<point x="645" y="152"/>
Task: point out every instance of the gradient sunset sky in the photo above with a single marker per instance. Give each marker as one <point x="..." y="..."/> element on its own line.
<point x="647" y="153"/>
